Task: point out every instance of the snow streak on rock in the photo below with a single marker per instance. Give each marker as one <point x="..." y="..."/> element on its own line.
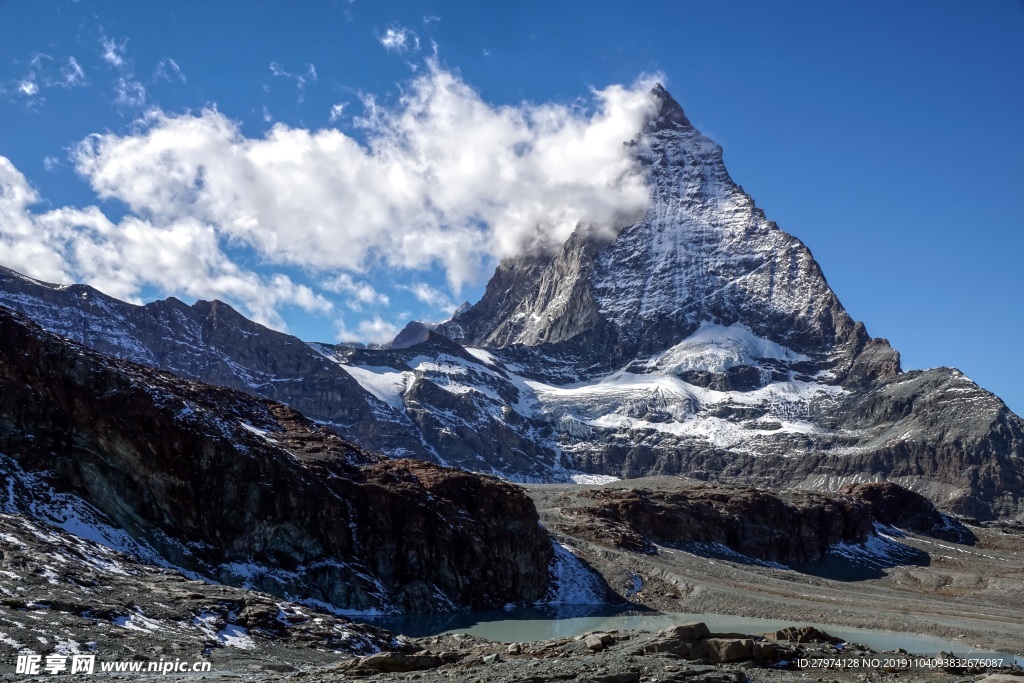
<point x="573" y="582"/>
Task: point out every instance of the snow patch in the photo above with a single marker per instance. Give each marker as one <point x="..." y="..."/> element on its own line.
<point x="385" y="383"/>
<point x="880" y="550"/>
<point x="598" y="479"/>
<point x="716" y="348"/>
<point x="137" y="621"/>
<point x="234" y="635"/>
<point x="573" y="583"/>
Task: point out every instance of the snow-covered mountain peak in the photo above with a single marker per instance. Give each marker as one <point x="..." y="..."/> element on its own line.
<point x="703" y="251"/>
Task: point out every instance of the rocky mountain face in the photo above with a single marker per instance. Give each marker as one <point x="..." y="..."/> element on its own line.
<point x="701" y="340"/>
<point x="792" y="528"/>
<point x="213" y="343"/>
<point x="248" y="492"/>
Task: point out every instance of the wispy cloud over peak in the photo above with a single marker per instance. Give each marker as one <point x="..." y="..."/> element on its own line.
<point x="436" y="181"/>
<point x="358" y="293"/>
<point x="432" y="297"/>
<point x="376" y="330"/>
<point x="438" y="178"/>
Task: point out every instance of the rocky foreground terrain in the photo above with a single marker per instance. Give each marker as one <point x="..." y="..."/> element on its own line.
<point x="248" y="492"/>
<point x="706" y="553"/>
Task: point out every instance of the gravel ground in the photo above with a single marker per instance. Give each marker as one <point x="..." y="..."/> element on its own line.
<point x="61" y="594"/>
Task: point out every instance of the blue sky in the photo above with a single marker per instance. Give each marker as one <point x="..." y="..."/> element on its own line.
<point x="886" y="136"/>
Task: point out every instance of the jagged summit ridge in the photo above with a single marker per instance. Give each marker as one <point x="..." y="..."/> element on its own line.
<point x="669" y="112"/>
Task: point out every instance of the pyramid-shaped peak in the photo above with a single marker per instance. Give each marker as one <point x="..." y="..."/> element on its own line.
<point x="669" y="113"/>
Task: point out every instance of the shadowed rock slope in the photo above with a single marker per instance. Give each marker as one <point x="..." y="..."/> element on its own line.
<point x="211" y="342"/>
<point x="249" y="492"/>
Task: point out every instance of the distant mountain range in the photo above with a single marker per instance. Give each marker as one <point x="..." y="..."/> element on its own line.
<point x="702" y="340"/>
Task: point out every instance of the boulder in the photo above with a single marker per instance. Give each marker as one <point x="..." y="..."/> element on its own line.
<point x="394" y="662"/>
<point x="692" y="631"/>
<point x="687" y="649"/>
<point x="803" y="634"/>
<point x="621" y="677"/>
<point x="723" y="650"/>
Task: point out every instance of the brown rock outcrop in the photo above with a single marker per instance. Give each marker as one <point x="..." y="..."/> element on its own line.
<point x="896" y="506"/>
<point x="786" y="527"/>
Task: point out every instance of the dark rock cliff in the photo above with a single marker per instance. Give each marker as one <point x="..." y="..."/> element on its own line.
<point x="787" y="527"/>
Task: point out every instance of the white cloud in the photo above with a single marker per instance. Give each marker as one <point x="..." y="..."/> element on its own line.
<point x="399" y="40"/>
<point x="432" y="297"/>
<point x="337" y="110"/>
<point x="129" y="92"/>
<point x="72" y="74"/>
<point x="359" y="292"/>
<point x="114" y="51"/>
<point x="180" y="257"/>
<point x="168" y="70"/>
<point x="301" y="80"/>
<point x="439" y="178"/>
<point x="442" y="179"/>
<point x="46" y="72"/>
<point x="376" y="331"/>
<point x="431" y="18"/>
